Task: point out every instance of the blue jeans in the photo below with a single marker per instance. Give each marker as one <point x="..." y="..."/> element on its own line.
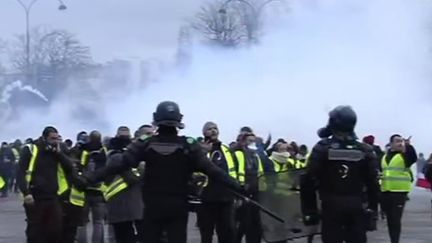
<point x="96" y="206"/>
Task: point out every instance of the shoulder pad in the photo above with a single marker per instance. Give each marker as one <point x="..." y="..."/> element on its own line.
<point x="365" y="147"/>
<point x="324" y="142"/>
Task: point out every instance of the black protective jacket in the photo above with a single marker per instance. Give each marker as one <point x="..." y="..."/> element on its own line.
<point x="170" y="161"/>
<point x="340" y="169"/>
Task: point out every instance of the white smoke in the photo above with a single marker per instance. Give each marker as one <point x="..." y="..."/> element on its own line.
<point x="7" y="91"/>
<point x="373" y="55"/>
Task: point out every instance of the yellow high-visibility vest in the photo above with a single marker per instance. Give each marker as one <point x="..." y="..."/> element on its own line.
<point x="63" y="185"/>
<point x="2" y="183"/>
<point x="296" y="163"/>
<point x="301" y="164"/>
<point x="396" y="177"/>
<point x="242" y="166"/>
<point x="232" y="169"/>
<point x="84" y="161"/>
<point x="16" y="154"/>
<point x="78" y="197"/>
<point x="279" y="167"/>
<point x="117" y="186"/>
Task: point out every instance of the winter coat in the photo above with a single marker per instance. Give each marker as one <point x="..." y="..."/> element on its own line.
<point x="128" y="204"/>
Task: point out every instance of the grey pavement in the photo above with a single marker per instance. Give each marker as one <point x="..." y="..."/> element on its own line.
<point x="417" y="222"/>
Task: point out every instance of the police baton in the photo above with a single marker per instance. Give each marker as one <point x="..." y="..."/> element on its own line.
<point x="261" y="207"/>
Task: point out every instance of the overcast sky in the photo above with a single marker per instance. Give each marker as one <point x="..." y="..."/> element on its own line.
<point x="112" y="28"/>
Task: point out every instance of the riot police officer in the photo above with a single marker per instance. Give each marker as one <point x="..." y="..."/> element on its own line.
<point x="170" y="161"/>
<point x="339" y="168"/>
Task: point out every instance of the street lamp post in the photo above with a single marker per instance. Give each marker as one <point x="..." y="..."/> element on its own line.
<point x="27" y="8"/>
<point x="253" y="23"/>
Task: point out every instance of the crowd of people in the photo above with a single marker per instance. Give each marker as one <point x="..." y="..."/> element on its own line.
<point x="139" y="183"/>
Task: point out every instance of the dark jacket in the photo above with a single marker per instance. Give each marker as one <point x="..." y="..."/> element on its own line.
<point x="427" y="170"/>
<point x="96" y="160"/>
<point x="340" y="169"/>
<point x="215" y="191"/>
<point x="170" y="162"/>
<point x="76" y="151"/>
<point x="128" y="204"/>
<point x="7" y="161"/>
<point x="379" y="154"/>
<point x="44" y="184"/>
<point x="252" y="170"/>
<point x="97" y="155"/>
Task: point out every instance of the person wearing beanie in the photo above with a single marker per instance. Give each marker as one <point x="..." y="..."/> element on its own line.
<point x="216" y="212"/>
<point x="370" y="139"/>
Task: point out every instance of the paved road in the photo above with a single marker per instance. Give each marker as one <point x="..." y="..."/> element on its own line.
<point x="417" y="223"/>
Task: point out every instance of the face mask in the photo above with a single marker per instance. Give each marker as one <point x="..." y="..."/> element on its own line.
<point x="281" y="157"/>
<point x="51" y="147"/>
<point x="252" y="146"/>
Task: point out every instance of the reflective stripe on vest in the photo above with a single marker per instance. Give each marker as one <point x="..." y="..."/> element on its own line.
<point x="242" y="166"/>
<point x="16" y="154"/>
<point x="61" y="178"/>
<point x="300" y="164"/>
<point x="395" y="176"/>
<point x="2" y="183"/>
<point x="63" y="184"/>
<point x="297" y="164"/>
<point x="232" y="170"/>
<point x="117" y="186"/>
<point x="77" y="197"/>
<point x="84" y="157"/>
<point x="84" y="162"/>
<point x="279" y="167"/>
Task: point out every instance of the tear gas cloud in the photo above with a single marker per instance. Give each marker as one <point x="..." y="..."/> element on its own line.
<point x="373" y="55"/>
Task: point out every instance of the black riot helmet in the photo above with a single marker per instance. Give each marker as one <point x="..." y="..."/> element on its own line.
<point x="168" y="114"/>
<point x="341" y="119"/>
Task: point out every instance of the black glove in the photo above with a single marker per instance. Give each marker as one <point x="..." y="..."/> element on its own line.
<point x="80" y="182"/>
<point x="371" y="219"/>
<point x="311" y="219"/>
<point x="90" y="177"/>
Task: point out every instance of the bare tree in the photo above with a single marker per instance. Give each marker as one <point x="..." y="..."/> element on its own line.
<point x="253" y="13"/>
<point x="56" y="55"/>
<point x="232" y="22"/>
<point x="219" y="25"/>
